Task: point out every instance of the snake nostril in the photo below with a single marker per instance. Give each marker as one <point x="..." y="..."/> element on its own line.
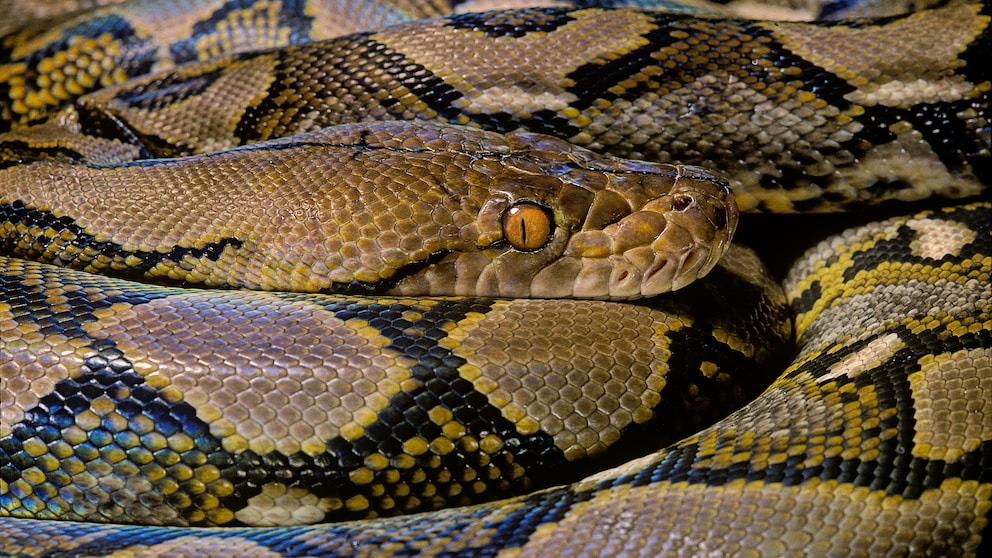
<point x="681" y="202"/>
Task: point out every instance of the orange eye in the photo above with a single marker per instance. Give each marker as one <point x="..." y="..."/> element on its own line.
<point x="526" y="226"/>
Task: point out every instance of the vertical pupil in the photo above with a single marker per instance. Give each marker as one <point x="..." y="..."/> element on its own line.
<point x="526" y="226"/>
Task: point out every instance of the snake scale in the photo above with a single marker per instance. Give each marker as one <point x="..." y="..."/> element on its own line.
<point x="444" y="326"/>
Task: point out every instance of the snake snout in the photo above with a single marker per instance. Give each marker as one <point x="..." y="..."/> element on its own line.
<point x="669" y="241"/>
<point x="702" y="217"/>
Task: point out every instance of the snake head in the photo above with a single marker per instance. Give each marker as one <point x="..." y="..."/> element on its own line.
<point x="562" y="221"/>
<point x="402" y="208"/>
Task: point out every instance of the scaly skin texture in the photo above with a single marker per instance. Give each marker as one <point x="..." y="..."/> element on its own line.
<point x="161" y="405"/>
<point x="801" y="116"/>
<point x="459" y="400"/>
<point x="397" y="208"/>
<point x="875" y="440"/>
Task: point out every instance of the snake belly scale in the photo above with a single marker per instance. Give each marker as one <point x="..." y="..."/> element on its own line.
<point x="458" y="313"/>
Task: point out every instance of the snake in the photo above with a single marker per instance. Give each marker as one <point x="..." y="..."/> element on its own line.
<point x="470" y="284"/>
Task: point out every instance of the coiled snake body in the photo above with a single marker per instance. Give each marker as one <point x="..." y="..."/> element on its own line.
<point x="458" y="310"/>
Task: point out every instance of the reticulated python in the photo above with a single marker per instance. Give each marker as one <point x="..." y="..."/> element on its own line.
<point x="162" y="403"/>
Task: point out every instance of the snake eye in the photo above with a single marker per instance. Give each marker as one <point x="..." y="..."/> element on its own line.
<point x="526" y="226"/>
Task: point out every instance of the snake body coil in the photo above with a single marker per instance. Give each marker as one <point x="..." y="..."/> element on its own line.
<point x="160" y="417"/>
